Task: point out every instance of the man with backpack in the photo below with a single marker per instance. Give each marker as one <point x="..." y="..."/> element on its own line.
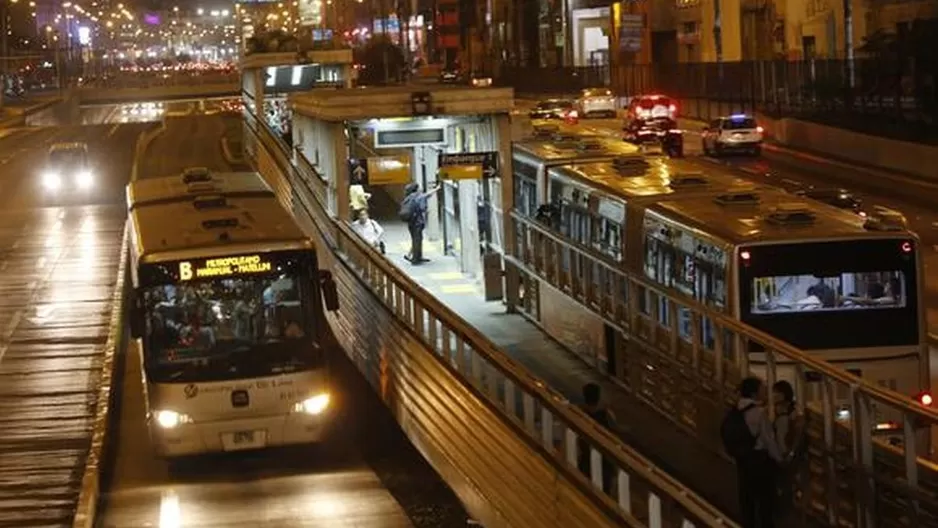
<point x="749" y="438"/>
<point x="413" y="211"/>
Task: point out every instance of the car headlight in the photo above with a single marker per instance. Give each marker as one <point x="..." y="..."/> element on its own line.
<point x="84" y="179"/>
<point x="51" y="180"/>
<point x="170" y="419"/>
<point x="315" y="405"/>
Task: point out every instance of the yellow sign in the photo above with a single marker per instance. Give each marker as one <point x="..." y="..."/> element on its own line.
<point x="389" y="170"/>
<point x="225" y="267"/>
<point x="461" y="172"/>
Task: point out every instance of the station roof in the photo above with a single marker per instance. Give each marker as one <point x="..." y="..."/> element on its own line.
<point x="352" y="104"/>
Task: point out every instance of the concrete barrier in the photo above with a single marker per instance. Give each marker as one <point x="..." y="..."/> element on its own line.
<point x="108" y="399"/>
<point x="913" y="159"/>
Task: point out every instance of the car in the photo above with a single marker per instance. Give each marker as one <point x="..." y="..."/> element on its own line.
<point x="67" y="170"/>
<point x="840" y="198"/>
<point x="656" y="134"/>
<point x="554" y="109"/>
<point x="594" y="102"/>
<point x="651" y="107"/>
<point x="735" y="133"/>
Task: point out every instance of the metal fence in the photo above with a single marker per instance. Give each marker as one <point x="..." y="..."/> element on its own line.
<point x="875" y="96"/>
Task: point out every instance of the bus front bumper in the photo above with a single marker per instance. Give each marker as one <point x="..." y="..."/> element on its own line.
<point x="243" y="434"/>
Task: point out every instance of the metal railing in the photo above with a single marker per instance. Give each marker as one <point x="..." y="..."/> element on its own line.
<point x="850" y="478"/>
<point x="553" y="428"/>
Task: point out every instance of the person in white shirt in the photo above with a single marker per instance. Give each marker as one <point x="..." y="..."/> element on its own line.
<point x="368" y="229"/>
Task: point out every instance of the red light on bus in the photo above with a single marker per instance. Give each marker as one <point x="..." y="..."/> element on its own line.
<point x="906" y="247"/>
<point x="925" y="398"/>
<point x="745" y="255"/>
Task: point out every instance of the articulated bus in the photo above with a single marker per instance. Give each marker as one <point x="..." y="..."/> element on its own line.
<point x="805" y="272"/>
<point x="227" y="314"/>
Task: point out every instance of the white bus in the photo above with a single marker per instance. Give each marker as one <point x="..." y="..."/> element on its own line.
<point x="227" y="315"/>
<point x="808" y="273"/>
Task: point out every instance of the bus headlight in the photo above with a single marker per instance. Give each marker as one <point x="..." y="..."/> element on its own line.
<point x="314" y="405"/>
<point x="84" y="179"/>
<point x="51" y="180"/>
<point x="170" y="419"/>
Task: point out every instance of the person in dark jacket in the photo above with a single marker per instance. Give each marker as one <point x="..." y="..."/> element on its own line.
<point x="417" y="220"/>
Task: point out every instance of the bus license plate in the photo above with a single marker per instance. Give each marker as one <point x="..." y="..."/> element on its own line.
<point x="238" y="440"/>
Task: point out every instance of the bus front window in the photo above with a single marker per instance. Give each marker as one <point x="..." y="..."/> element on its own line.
<point x="226" y="329"/>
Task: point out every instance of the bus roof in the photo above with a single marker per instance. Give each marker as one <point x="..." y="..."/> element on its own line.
<point x="767" y="216"/>
<point x="574" y="147"/>
<point x="639" y="178"/>
<point x="195" y="182"/>
<point x="214" y="225"/>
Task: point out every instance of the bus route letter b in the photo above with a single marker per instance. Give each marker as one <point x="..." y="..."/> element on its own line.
<point x="185" y="271"/>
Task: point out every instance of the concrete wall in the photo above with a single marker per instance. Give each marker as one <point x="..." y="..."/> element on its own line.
<point x="132" y="95"/>
<point x="914" y="159"/>
<point x="66" y="111"/>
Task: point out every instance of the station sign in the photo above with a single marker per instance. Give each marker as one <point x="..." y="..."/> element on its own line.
<point x="468" y="166"/>
<point x="385" y="170"/>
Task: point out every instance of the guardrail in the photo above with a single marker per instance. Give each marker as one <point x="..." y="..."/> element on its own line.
<point x="523" y="406"/>
<point x="851" y="478"/>
<point x="108" y="398"/>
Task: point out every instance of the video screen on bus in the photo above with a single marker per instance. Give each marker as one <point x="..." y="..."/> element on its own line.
<point x="227" y="328"/>
<point x="845" y="291"/>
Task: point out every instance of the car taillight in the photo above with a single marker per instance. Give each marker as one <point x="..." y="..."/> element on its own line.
<point x="760" y="129"/>
<point x="672" y="108"/>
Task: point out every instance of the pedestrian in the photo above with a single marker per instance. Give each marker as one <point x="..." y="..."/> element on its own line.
<point x="413" y="211"/>
<point x="790" y="433"/>
<point x="601" y="414"/>
<point x="749" y="438"/>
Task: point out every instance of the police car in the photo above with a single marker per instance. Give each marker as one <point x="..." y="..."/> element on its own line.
<point x="736" y="133"/>
<point x="67" y="169"/>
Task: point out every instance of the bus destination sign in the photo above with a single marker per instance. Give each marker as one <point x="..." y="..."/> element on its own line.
<point x="224" y="267"/>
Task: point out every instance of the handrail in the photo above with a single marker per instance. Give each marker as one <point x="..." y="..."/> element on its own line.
<point x="580" y="424"/>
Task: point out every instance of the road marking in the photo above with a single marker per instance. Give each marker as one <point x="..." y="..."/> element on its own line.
<point x="448" y="275"/>
<point x="112" y="131"/>
<point x="459" y="288"/>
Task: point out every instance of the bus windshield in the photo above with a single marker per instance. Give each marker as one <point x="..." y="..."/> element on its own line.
<point x="846" y="294"/>
<point x="223" y="329"/>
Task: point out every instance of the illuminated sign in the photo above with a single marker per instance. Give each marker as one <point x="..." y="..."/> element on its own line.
<point x="84" y="36"/>
<point x="224" y="267"/>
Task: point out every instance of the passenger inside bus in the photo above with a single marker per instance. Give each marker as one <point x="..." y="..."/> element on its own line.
<point x="199" y="317"/>
<point x="847" y="291"/>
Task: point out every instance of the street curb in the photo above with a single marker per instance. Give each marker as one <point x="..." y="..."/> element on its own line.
<point x="90" y="494"/>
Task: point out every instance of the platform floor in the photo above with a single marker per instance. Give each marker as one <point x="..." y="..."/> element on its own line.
<point x="657" y="438"/>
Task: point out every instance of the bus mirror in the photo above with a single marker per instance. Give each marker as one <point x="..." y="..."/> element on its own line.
<point x="330" y="293"/>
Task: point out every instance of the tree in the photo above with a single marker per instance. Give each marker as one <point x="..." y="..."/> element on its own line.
<point x="381" y="61"/>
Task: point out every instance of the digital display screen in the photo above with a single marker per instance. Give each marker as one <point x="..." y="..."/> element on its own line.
<point x="410" y="137"/>
<point x="845" y="291"/>
<point x="254" y="264"/>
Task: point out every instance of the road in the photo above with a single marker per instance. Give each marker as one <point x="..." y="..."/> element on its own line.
<point x="366" y="475"/>
<point x="190" y="141"/>
<point x="58" y="264"/>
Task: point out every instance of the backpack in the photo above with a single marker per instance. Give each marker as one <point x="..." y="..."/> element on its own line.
<point x="738" y="440"/>
<point x="408" y="208"/>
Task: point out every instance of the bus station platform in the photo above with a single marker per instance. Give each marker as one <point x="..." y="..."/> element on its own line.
<point x="662" y="441"/>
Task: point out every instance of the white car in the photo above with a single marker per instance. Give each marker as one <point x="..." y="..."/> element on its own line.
<point x="597" y="102"/>
<point x="67" y="169"/>
<point x="736" y="133"/>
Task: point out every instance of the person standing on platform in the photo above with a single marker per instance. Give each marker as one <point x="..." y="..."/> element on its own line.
<point x="414" y="211"/>
<point x="749" y="437"/>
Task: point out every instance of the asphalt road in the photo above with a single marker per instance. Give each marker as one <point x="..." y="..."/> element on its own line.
<point x="58" y="264"/>
<point x="365" y="475"/>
